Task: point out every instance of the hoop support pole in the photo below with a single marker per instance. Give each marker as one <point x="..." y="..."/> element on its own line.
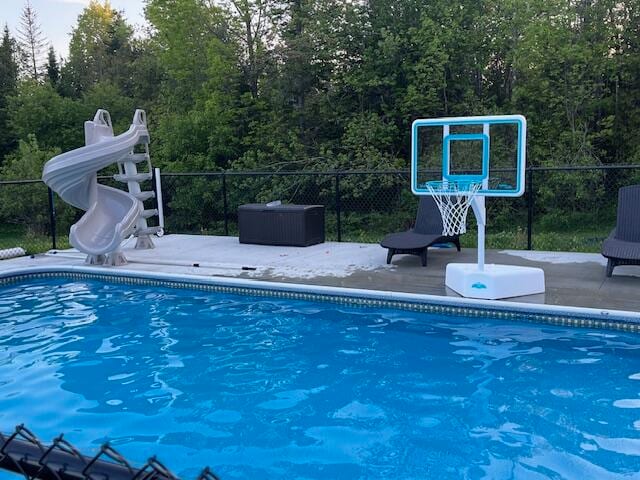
<point x="480" y="211"/>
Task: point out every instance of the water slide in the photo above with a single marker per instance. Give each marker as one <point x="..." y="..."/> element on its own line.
<point x="111" y="213"/>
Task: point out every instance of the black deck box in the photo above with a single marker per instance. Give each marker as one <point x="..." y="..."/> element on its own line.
<point x="291" y="225"/>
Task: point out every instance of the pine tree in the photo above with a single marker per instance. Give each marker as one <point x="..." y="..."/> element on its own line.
<point x="31" y="41"/>
<point x="52" y="67"/>
<point x="8" y="81"/>
<point x="8" y="63"/>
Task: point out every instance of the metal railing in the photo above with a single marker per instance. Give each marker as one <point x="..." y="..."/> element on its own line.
<point x="564" y="208"/>
<point x="24" y="454"/>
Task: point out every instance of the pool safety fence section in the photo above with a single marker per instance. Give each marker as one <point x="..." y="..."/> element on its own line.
<point x="23" y="453"/>
<point x="569" y="208"/>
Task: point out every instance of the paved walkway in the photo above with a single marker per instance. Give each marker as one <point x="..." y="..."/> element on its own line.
<point x="575" y="279"/>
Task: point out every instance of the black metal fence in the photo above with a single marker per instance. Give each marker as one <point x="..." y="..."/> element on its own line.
<point x="24" y="454"/>
<point x="564" y="208"/>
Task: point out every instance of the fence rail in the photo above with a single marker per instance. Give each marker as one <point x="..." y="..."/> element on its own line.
<point x="568" y="208"/>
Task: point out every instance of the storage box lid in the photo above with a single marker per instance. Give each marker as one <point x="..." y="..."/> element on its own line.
<point x="262" y="207"/>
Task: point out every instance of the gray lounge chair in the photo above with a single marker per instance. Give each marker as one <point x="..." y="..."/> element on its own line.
<point x="623" y="245"/>
<point x="426" y="232"/>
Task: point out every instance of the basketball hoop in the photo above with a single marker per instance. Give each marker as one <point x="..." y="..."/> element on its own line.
<point x="453" y="199"/>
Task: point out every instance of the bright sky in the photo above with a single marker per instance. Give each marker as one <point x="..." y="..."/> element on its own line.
<point x="58" y="17"/>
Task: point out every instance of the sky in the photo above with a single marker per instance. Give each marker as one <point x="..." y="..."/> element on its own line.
<point x="58" y="17"/>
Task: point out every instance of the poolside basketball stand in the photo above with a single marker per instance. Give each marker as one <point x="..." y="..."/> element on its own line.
<point x="457" y="191"/>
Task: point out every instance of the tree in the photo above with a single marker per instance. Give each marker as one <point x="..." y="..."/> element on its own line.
<point x="31" y="41"/>
<point x="100" y="50"/>
<point x="187" y="35"/>
<point x="292" y="84"/>
<point x="8" y="85"/>
<point x="308" y="54"/>
<point x="52" y="67"/>
<point x="38" y="109"/>
<point x="200" y="98"/>
<point x="252" y="28"/>
<point x="562" y="85"/>
<point x="8" y="64"/>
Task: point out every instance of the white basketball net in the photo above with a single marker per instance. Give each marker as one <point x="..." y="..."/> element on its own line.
<point x="453" y="200"/>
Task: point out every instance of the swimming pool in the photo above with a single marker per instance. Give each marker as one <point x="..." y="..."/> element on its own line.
<point x="260" y="387"/>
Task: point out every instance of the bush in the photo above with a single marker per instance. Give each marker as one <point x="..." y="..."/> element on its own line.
<point x="26" y="204"/>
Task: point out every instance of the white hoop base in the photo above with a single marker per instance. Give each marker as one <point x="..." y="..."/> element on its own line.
<point x="494" y="281"/>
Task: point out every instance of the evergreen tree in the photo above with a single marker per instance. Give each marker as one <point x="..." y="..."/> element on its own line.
<point x="52" y="67"/>
<point x="8" y="66"/>
<point x="31" y="41"/>
<point x="8" y="83"/>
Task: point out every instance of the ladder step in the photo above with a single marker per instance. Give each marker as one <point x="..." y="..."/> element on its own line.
<point x="136" y="158"/>
<point x="148" y="231"/>
<point x="142" y="196"/>
<point x="139" y="177"/>
<point x="151" y="212"/>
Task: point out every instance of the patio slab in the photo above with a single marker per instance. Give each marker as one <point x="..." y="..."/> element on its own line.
<point x="572" y="279"/>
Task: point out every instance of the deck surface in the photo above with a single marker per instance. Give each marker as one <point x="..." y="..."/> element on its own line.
<point x="573" y="279"/>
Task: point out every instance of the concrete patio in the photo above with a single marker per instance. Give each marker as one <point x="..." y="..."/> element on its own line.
<point x="573" y="279"/>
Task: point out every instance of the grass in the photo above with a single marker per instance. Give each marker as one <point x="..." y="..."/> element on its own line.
<point x="19" y="236"/>
<point x="565" y="238"/>
<point x="588" y="241"/>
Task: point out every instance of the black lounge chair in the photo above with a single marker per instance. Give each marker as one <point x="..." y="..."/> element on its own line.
<point x="623" y="245"/>
<point x="426" y="232"/>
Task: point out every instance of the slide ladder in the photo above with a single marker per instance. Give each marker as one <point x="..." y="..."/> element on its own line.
<point x="129" y="174"/>
<point x="111" y="214"/>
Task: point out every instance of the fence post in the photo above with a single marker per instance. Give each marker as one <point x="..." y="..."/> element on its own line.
<point x="530" y="201"/>
<point x="225" y="203"/>
<point x="338" y="208"/>
<point x="52" y="220"/>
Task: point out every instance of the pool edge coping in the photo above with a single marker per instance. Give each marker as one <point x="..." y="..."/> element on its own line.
<point x="614" y="319"/>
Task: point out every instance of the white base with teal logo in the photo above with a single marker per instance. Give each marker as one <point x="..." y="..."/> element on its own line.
<point x="493" y="282"/>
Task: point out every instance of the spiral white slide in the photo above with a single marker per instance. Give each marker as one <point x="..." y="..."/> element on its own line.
<point x="111" y="214"/>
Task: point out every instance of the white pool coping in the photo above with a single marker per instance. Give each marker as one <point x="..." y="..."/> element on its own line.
<point x="602" y="315"/>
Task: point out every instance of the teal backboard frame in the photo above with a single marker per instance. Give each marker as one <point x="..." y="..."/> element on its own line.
<point x="483" y="176"/>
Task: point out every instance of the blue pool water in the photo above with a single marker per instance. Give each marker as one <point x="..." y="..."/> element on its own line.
<point x="265" y="388"/>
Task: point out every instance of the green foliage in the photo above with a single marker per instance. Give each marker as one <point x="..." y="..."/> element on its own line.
<point x="25" y="205"/>
<point x="327" y="85"/>
<point x="194" y="205"/>
<point x="52" y="68"/>
<point x="100" y="50"/>
<point x="39" y="110"/>
<point x="27" y="162"/>
<point x="108" y="96"/>
<point x="56" y="121"/>
<point x="324" y="84"/>
<point x="12" y="235"/>
<point x="8" y="85"/>
<point x="200" y="92"/>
